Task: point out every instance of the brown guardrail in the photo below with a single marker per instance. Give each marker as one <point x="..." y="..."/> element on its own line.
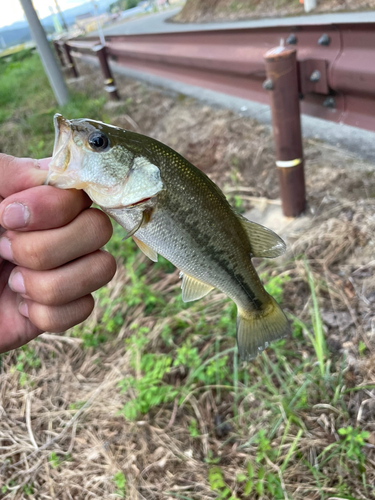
<point x="336" y="64"/>
<point x="332" y="76"/>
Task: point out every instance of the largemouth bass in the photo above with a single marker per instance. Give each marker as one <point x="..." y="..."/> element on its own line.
<point x="171" y="208"/>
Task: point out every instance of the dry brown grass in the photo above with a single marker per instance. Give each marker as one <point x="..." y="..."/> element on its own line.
<point x="62" y="434"/>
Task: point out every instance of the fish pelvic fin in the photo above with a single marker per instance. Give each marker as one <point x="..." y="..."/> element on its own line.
<point x="263" y="241"/>
<point x="148" y="251"/>
<point x="255" y="330"/>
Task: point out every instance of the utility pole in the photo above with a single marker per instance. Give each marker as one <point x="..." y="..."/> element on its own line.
<point x="98" y="23"/>
<point x="51" y="67"/>
<point x="61" y="16"/>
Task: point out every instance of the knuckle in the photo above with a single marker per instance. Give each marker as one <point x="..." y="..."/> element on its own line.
<point x="100" y="225"/>
<point x="41" y="316"/>
<point x="33" y="254"/>
<point x="58" y="319"/>
<point x="49" y="292"/>
<point x="88" y="304"/>
<point x="108" y="265"/>
<point x="6" y="160"/>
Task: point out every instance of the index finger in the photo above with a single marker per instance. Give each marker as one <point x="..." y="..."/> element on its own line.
<point x="18" y="174"/>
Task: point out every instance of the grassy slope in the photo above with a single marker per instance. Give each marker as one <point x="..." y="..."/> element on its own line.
<point x="147" y="398"/>
<point x="218" y="10"/>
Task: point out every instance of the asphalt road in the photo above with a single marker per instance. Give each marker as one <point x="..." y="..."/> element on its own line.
<point x="157" y="23"/>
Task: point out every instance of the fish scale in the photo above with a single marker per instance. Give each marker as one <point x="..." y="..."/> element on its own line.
<point x="173" y="209"/>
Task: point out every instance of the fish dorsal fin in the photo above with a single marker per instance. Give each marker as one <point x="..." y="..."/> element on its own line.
<point x="193" y="289"/>
<point x="148" y="251"/>
<point x="263" y="241"/>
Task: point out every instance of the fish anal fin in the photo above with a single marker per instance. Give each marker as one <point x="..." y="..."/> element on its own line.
<point x="193" y="289"/>
<point x="148" y="251"/>
<point x="255" y="330"/>
<point x="263" y="241"/>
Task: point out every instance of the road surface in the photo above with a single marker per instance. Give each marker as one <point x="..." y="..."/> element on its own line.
<point x="158" y="23"/>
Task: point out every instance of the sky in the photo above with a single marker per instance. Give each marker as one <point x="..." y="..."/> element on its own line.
<point x="11" y="10"/>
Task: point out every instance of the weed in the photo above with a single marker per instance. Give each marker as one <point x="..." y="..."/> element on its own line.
<point x="353" y="443"/>
<point x="27" y="358"/>
<point x="28" y="489"/>
<point x="217" y="484"/>
<point x="275" y="285"/>
<point x="55" y="460"/>
<point x="76" y="406"/>
<point x="193" y="428"/>
<point x="361" y="348"/>
<point x="120" y="482"/>
<point x="263" y="447"/>
<point x="148" y="387"/>
<point x="260" y="481"/>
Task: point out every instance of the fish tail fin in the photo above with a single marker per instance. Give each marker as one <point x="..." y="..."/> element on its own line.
<point x="255" y="330"/>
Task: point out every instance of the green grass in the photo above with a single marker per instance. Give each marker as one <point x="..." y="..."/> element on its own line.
<point x="26" y="115"/>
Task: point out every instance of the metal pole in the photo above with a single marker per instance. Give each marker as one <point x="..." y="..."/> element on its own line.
<point x="98" y="23"/>
<point x="109" y="82"/>
<point x="71" y="64"/>
<point x="61" y="16"/>
<point x="51" y="67"/>
<point x="282" y="82"/>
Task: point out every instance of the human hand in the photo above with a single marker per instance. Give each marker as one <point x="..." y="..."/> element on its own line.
<point x="50" y="257"/>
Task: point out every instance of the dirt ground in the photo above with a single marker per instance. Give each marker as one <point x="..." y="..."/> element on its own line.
<point x="156" y="453"/>
<point x="231" y="10"/>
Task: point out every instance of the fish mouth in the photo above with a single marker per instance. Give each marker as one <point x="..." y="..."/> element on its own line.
<point x="140" y="202"/>
<point x="58" y="175"/>
<point x="62" y="130"/>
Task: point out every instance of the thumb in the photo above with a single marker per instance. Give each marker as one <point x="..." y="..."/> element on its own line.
<point x="18" y="174"/>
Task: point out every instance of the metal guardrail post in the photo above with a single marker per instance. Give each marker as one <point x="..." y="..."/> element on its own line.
<point x="71" y="64"/>
<point x="59" y="53"/>
<point x="282" y="82"/>
<point x="109" y="83"/>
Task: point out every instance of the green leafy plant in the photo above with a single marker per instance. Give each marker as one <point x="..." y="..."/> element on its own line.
<point x="263" y="446"/>
<point x="275" y="285"/>
<point x="149" y="388"/>
<point x="27" y="358"/>
<point x="28" y="489"/>
<point x="217" y="484"/>
<point x="55" y="460"/>
<point x="260" y="481"/>
<point x="353" y="443"/>
<point x="120" y="482"/>
<point x="193" y="428"/>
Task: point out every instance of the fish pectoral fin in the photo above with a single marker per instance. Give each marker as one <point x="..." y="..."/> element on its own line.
<point x="148" y="251"/>
<point x="263" y="241"/>
<point x="255" y="330"/>
<point x="193" y="289"/>
<point x="135" y="228"/>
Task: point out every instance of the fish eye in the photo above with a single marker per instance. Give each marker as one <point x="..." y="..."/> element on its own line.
<point x="98" y="141"/>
